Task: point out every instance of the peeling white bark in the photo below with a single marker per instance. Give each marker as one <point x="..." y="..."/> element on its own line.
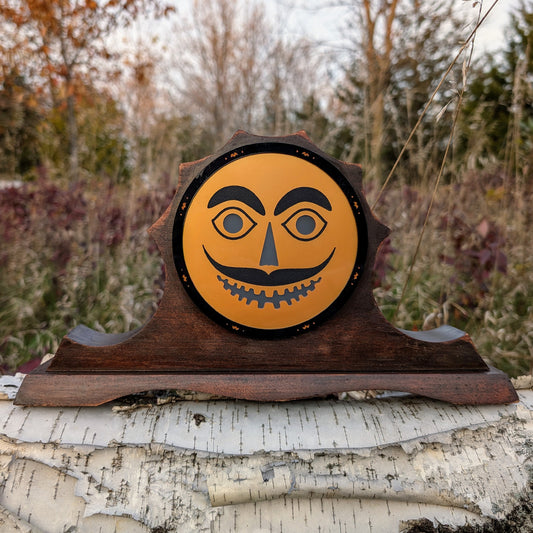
<point x="242" y="466"/>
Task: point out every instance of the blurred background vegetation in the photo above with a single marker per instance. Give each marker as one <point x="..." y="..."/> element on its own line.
<point x="100" y="101"/>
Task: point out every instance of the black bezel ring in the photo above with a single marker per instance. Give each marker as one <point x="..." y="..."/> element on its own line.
<point x="277" y="148"/>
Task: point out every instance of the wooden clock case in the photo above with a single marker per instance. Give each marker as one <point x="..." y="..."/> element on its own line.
<point x="181" y="347"/>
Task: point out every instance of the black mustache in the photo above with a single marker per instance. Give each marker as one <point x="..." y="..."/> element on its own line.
<point x="256" y="276"/>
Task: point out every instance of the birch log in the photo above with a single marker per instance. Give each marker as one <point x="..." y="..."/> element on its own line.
<point x="381" y="465"/>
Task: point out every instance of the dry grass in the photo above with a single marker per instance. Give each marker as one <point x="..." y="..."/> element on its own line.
<point x="474" y="270"/>
<point x="72" y="258"/>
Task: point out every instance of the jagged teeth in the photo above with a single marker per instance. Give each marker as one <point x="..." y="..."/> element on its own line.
<point x="249" y="295"/>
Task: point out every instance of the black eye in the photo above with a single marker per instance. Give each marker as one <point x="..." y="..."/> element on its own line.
<point x="233" y="223"/>
<point x="305" y="224"/>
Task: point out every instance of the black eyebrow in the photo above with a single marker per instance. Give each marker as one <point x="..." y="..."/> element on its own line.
<point x="236" y="192"/>
<point x="302" y="194"/>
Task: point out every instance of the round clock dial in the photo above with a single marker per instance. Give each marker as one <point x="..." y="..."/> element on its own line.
<point x="269" y="239"/>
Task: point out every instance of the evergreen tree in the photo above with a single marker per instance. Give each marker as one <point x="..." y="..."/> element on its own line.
<point x="20" y="117"/>
<point x="497" y="117"/>
<point x="405" y="50"/>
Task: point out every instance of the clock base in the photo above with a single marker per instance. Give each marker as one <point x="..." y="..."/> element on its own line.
<point x="42" y="388"/>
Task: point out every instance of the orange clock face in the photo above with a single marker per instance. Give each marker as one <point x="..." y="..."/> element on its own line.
<point x="267" y="240"/>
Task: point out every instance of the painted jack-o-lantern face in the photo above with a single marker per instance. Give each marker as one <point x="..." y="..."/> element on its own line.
<point x="268" y="242"/>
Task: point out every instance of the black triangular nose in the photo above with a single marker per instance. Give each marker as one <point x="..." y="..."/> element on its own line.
<point x="269" y="255"/>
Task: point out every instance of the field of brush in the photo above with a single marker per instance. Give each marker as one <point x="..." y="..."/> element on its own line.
<point x="82" y="255"/>
<point x="92" y="132"/>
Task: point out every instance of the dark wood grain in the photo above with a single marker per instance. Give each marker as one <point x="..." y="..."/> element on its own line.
<point x="44" y="388"/>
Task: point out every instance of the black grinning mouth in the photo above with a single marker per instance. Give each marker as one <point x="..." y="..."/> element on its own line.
<point x="256" y="276"/>
<point x="287" y="296"/>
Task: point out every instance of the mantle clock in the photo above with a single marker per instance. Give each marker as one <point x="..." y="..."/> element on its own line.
<point x="269" y="247"/>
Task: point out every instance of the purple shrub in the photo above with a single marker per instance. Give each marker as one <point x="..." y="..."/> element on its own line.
<point x="476" y="254"/>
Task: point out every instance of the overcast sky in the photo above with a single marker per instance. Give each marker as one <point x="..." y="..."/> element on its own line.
<point x="491" y="33"/>
<point x="312" y="18"/>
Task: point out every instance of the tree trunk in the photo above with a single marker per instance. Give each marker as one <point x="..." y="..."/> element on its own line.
<point x="224" y="466"/>
<point x="72" y="134"/>
<point x="378" y="47"/>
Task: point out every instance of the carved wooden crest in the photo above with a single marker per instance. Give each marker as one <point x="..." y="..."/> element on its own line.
<point x="269" y="246"/>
